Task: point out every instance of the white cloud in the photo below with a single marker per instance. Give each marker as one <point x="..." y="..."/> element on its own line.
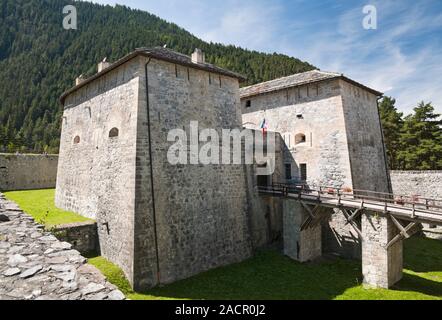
<point x="386" y="59"/>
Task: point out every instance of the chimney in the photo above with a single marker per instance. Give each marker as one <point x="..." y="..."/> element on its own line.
<point x="79" y="80"/>
<point x="198" y="56"/>
<point x="103" y="65"/>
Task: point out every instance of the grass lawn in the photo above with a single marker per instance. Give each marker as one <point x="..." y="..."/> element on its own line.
<point x="40" y="205"/>
<point x="270" y="275"/>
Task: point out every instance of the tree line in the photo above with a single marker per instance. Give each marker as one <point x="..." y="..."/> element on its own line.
<point x="413" y="142"/>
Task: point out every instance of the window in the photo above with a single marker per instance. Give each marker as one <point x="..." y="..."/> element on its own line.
<point x="300" y="138"/>
<point x="263" y="181"/>
<point x="77" y="140"/>
<point x="248" y="103"/>
<point x="114" y="133"/>
<point x="303" y="169"/>
<point x="288" y="171"/>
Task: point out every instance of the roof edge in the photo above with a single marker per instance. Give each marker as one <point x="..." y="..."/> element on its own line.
<point x="144" y="52"/>
<point x="336" y="76"/>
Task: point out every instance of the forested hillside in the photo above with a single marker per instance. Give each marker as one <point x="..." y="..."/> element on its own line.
<point x="39" y="60"/>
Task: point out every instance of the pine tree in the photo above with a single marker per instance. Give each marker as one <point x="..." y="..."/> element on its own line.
<point x="421" y="140"/>
<point x="392" y="125"/>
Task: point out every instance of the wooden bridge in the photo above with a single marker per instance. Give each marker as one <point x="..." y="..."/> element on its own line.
<point x="406" y="212"/>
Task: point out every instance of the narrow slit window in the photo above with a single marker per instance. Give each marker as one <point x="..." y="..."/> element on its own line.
<point x="77" y="140"/>
<point x="248" y="103"/>
<point x="303" y="170"/>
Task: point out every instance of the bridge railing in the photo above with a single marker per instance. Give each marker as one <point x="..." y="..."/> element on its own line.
<point x="414" y="202"/>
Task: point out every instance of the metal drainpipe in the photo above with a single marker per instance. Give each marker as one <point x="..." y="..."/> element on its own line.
<point x="146" y="74"/>
<point x="390" y="187"/>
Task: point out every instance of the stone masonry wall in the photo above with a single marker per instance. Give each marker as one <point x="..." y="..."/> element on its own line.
<point x="27" y="172"/>
<point x="325" y="151"/>
<point x="364" y="136"/>
<point x="82" y="236"/>
<point x="201" y="210"/>
<point x="381" y="266"/>
<point x="427" y="184"/>
<point x="96" y="176"/>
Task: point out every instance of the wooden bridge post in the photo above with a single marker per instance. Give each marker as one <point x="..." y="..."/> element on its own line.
<point x="381" y="264"/>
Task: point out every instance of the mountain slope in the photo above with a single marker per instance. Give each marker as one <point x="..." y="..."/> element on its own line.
<point x="39" y="60"/>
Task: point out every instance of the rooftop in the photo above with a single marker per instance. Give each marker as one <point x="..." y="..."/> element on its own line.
<point x="160" y="54"/>
<point x="298" y="80"/>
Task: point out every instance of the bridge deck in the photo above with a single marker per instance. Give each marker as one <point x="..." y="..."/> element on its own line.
<point x="410" y="208"/>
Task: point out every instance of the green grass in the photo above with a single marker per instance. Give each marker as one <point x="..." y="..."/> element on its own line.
<point x="270" y="275"/>
<point x="40" y="205"/>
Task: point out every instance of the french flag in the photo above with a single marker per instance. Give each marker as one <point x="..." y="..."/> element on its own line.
<point x="264" y="126"/>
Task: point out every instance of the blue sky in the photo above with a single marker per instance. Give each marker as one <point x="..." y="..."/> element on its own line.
<point x="402" y="58"/>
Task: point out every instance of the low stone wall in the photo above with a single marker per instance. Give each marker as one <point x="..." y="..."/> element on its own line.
<point x="27" y="172"/>
<point x="427" y="184"/>
<point x="82" y="236"/>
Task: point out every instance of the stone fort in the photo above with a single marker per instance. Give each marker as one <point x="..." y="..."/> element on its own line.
<point x="161" y="223"/>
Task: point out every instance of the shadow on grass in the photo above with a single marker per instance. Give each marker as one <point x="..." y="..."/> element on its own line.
<point x="423" y="255"/>
<point x="267" y="276"/>
<point x="272" y="276"/>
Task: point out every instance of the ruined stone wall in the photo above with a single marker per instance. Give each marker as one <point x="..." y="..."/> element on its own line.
<point x="364" y="136"/>
<point x="427" y="184"/>
<point x="96" y="173"/>
<point x="27" y="171"/>
<point x="201" y="210"/>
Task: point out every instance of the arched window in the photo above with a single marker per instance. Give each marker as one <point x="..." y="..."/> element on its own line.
<point x="77" y="140"/>
<point x="114" y="133"/>
<point x="300" y="138"/>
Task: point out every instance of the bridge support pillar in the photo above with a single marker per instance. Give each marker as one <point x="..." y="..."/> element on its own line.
<point x="381" y="265"/>
<point x="301" y="243"/>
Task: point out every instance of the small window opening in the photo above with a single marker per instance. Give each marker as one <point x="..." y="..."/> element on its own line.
<point x="77" y="140"/>
<point x="114" y="133"/>
<point x="248" y="103"/>
<point x="303" y="170"/>
<point x="300" y="138"/>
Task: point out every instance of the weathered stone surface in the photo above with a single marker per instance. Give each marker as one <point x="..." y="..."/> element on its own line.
<point x="92" y="288"/>
<point x="16" y="259"/>
<point x="31" y="272"/>
<point x="27" y="172"/>
<point x="28" y="272"/>
<point x="12" y="272"/>
<point x="202" y="222"/>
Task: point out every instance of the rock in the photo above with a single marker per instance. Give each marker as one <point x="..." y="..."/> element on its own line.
<point x="48" y="238"/>
<point x="62" y="267"/>
<point x="12" y="272"/>
<point x="15" y="249"/>
<point x="49" y="251"/>
<point x="36" y="293"/>
<point x="57" y="260"/>
<point x="67" y="277"/>
<point x="4" y="245"/>
<point x="92" y="288"/>
<point x="31" y="272"/>
<point x="116" y="295"/>
<point x="16" y="259"/>
<point x="35" y="235"/>
<point x="61" y="246"/>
